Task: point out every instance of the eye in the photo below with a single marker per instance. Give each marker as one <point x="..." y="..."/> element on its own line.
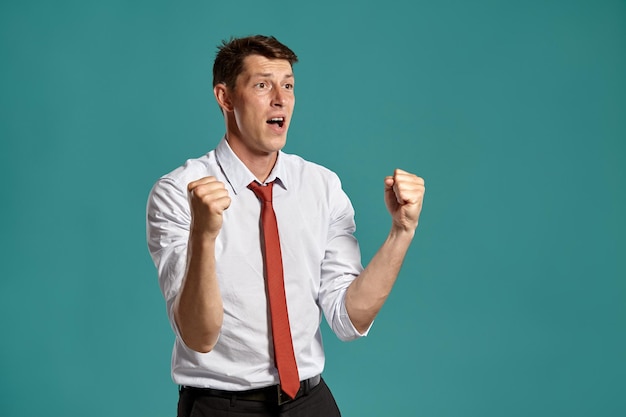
<point x="288" y="86"/>
<point x="262" y="86"/>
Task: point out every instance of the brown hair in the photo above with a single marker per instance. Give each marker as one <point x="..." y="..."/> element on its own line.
<point x="231" y="54"/>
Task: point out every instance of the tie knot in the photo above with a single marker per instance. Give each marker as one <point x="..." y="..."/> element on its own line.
<point x="264" y="193"/>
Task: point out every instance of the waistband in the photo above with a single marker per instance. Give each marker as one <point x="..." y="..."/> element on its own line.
<point x="271" y="395"/>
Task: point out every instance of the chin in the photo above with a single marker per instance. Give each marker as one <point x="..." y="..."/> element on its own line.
<point x="278" y="143"/>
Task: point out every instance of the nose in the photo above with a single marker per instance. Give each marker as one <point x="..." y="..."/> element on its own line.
<point x="279" y="99"/>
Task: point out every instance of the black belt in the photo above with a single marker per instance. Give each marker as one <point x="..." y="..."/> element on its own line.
<point x="272" y="394"/>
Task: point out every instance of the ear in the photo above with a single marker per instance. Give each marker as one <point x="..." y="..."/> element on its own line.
<point x="222" y="95"/>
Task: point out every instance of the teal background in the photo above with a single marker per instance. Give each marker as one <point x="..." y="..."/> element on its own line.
<point x="512" y="300"/>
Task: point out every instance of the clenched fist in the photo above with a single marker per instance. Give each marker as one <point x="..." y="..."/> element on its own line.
<point x="208" y="198"/>
<point x="404" y="193"/>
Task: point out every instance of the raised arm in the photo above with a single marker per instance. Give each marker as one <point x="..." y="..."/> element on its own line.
<point x="198" y="308"/>
<point x="404" y="193"/>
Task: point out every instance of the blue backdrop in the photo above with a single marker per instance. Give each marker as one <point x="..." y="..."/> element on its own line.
<point x="512" y="301"/>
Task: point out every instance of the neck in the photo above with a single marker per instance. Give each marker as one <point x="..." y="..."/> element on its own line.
<point x="261" y="167"/>
<point x="260" y="164"/>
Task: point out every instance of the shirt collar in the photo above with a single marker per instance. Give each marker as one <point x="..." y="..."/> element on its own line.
<point x="236" y="172"/>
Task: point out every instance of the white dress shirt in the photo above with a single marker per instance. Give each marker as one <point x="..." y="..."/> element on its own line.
<point x="320" y="256"/>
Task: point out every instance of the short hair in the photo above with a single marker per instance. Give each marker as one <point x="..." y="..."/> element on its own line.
<point x="231" y="54"/>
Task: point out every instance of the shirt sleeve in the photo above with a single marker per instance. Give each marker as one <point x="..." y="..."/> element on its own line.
<point x="341" y="263"/>
<point x="167" y="227"/>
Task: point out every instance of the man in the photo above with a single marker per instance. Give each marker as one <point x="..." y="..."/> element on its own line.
<point x="244" y="300"/>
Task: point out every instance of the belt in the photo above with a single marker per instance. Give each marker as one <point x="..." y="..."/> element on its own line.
<point x="272" y="394"/>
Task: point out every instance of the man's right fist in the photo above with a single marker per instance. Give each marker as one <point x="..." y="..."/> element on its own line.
<point x="208" y="198"/>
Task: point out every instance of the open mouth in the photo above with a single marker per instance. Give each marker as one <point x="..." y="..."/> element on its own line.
<point x="280" y="121"/>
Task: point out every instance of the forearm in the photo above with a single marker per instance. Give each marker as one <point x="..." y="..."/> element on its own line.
<point x="198" y="309"/>
<point x="369" y="291"/>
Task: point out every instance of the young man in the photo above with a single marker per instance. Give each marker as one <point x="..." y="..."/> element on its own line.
<point x="244" y="300"/>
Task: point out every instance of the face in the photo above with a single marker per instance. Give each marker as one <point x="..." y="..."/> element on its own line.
<point x="260" y="106"/>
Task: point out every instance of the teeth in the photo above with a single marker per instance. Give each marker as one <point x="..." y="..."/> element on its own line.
<point x="277" y="120"/>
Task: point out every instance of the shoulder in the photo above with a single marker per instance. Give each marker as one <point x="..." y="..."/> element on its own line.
<point x="299" y="170"/>
<point x="193" y="169"/>
<point x="317" y="185"/>
<point x="175" y="182"/>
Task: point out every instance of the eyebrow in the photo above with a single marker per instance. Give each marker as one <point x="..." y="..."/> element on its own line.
<point x="269" y="74"/>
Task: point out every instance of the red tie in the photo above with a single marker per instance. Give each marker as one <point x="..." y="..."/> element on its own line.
<point x="283" y="347"/>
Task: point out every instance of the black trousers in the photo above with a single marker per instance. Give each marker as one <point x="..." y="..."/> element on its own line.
<point x="319" y="402"/>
